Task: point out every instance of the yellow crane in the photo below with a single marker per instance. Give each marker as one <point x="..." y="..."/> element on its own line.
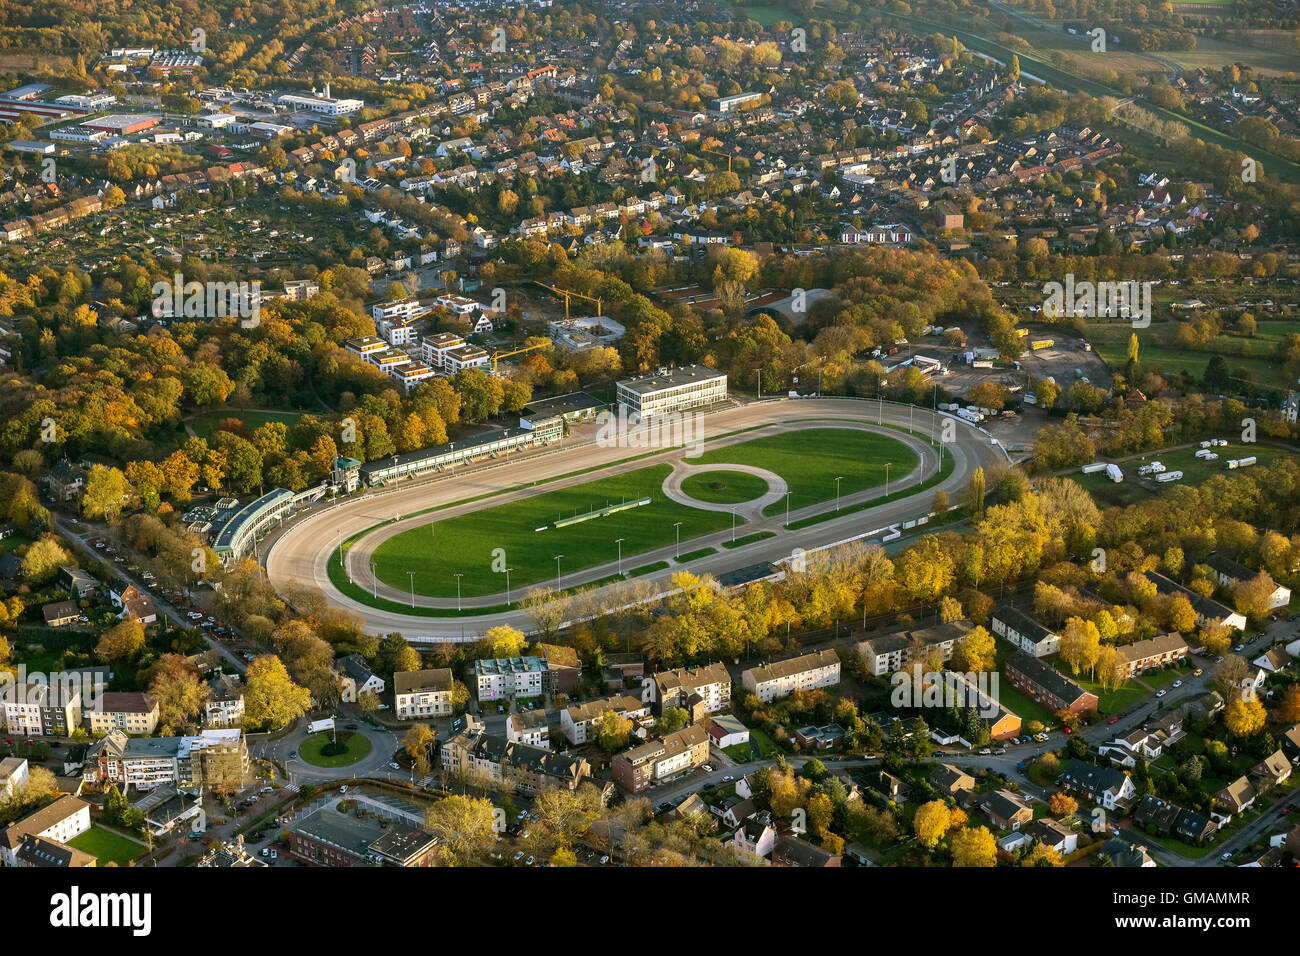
<point x="716" y="152"/>
<point x="566" y="293"/>
<point x="526" y="348"/>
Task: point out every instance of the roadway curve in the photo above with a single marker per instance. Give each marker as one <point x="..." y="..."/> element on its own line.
<point x="298" y="556"/>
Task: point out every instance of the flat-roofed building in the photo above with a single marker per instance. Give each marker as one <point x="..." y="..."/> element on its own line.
<point x="672" y="390"/>
<point x="768" y="682"/>
<point x="501" y="678"/>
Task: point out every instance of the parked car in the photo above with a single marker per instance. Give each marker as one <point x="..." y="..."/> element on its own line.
<point x="1177" y="683"/>
<point x="1161" y="692"/>
<point x="1113" y="720"/>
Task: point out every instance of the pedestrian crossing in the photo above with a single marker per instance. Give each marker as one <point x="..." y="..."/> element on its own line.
<point x="291" y="787"/>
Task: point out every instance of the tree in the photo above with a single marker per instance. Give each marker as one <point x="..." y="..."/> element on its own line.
<point x="121" y="641"/>
<point x="271" y="698"/>
<point x="106" y="493"/>
<point x="564" y="857"/>
<point x="43" y="560"/>
<point x="931" y="823"/>
<point x="179" y="690"/>
<point x="1244" y="718"/>
<point x="1062" y="804"/>
<point x="612" y="730"/>
<point x="504" y="641"/>
<point x="465" y="828"/>
<point x="418" y="743"/>
<point x="974" y="847"/>
<point x="1042" y="855"/>
<point x="975" y="493"/>
<point x="976" y="651"/>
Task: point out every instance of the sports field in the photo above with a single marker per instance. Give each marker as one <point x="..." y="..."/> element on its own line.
<point x="522" y="535"/>
<point x="811" y="460"/>
<point x="469" y="544"/>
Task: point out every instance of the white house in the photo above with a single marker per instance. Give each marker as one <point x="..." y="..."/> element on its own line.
<point x="63" y="820"/>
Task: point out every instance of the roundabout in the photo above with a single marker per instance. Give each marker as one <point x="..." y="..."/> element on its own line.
<point x="448" y="558"/>
<point x="320" y="750"/>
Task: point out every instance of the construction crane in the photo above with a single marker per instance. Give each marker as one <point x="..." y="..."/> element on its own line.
<point x="566" y="293"/>
<point x="526" y="348"/>
<point x="716" y="152"/>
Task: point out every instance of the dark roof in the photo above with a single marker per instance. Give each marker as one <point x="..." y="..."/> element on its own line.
<point x="433" y="679"/>
<point x="1024" y="625"/>
<point x="1047" y="677"/>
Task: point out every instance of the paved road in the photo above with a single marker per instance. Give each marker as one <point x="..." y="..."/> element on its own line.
<point x="299" y="555"/>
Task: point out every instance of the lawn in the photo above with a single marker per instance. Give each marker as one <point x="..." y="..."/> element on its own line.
<point x="520" y="535"/>
<point x="1113" y="701"/>
<point x="812" y="459"/>
<point x="724" y="487"/>
<point x="1110" y="339"/>
<point x="106" y="846"/>
<point x="207" y="422"/>
<point x="358" y="747"/>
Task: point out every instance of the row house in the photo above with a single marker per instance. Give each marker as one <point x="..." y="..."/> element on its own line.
<point x="1048" y="686"/>
<point x="634" y="770"/>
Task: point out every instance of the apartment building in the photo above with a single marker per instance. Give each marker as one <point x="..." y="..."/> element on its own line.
<point x="1014" y="626"/>
<point x="1229" y="573"/>
<point x="504" y="678"/>
<point x="529" y="727"/>
<point x="1154" y="652"/>
<point x="1048" y="686"/>
<point x="1208" y="610"/>
<point x="887" y="654"/>
<point x="424" y="693"/>
<point x="770" y="682"/>
<point x="436" y="348"/>
<point x="215" y="759"/>
<point x="496" y="760"/>
<point x="41" y="709"/>
<point x="697" y="690"/>
<point x="635" y="769"/>
<point x="63" y="820"/>
<point x="577" y="722"/>
<point x="134" y="713"/>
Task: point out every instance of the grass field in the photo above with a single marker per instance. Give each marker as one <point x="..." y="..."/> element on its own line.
<point x="205" y="424"/>
<point x="1195" y="470"/>
<point x="810" y="461"/>
<point x="724" y="487"/>
<point x="506" y="536"/>
<point x="107" y="846"/>
<point x="358" y="748"/>
<point x="1111" y="342"/>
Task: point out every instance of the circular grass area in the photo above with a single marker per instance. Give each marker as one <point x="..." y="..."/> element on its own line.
<point x="320" y="751"/>
<point x="724" y="487"/>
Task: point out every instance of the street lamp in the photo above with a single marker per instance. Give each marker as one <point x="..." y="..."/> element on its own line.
<point x="374" y="581"/>
<point x="787" y="509"/>
<point x="838" y="479"/>
<point x="411" y="575"/>
<point x="557" y="571"/>
<point x="887" y="464"/>
<point x="677" y="553"/>
<point x="508" y="570"/>
<point x="457" y="576"/>
<point x="733" y="525"/>
<point x="340" y="530"/>
<point x="619" y="542"/>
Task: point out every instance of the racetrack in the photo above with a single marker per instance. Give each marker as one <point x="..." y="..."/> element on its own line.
<point x="299" y="556"/>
